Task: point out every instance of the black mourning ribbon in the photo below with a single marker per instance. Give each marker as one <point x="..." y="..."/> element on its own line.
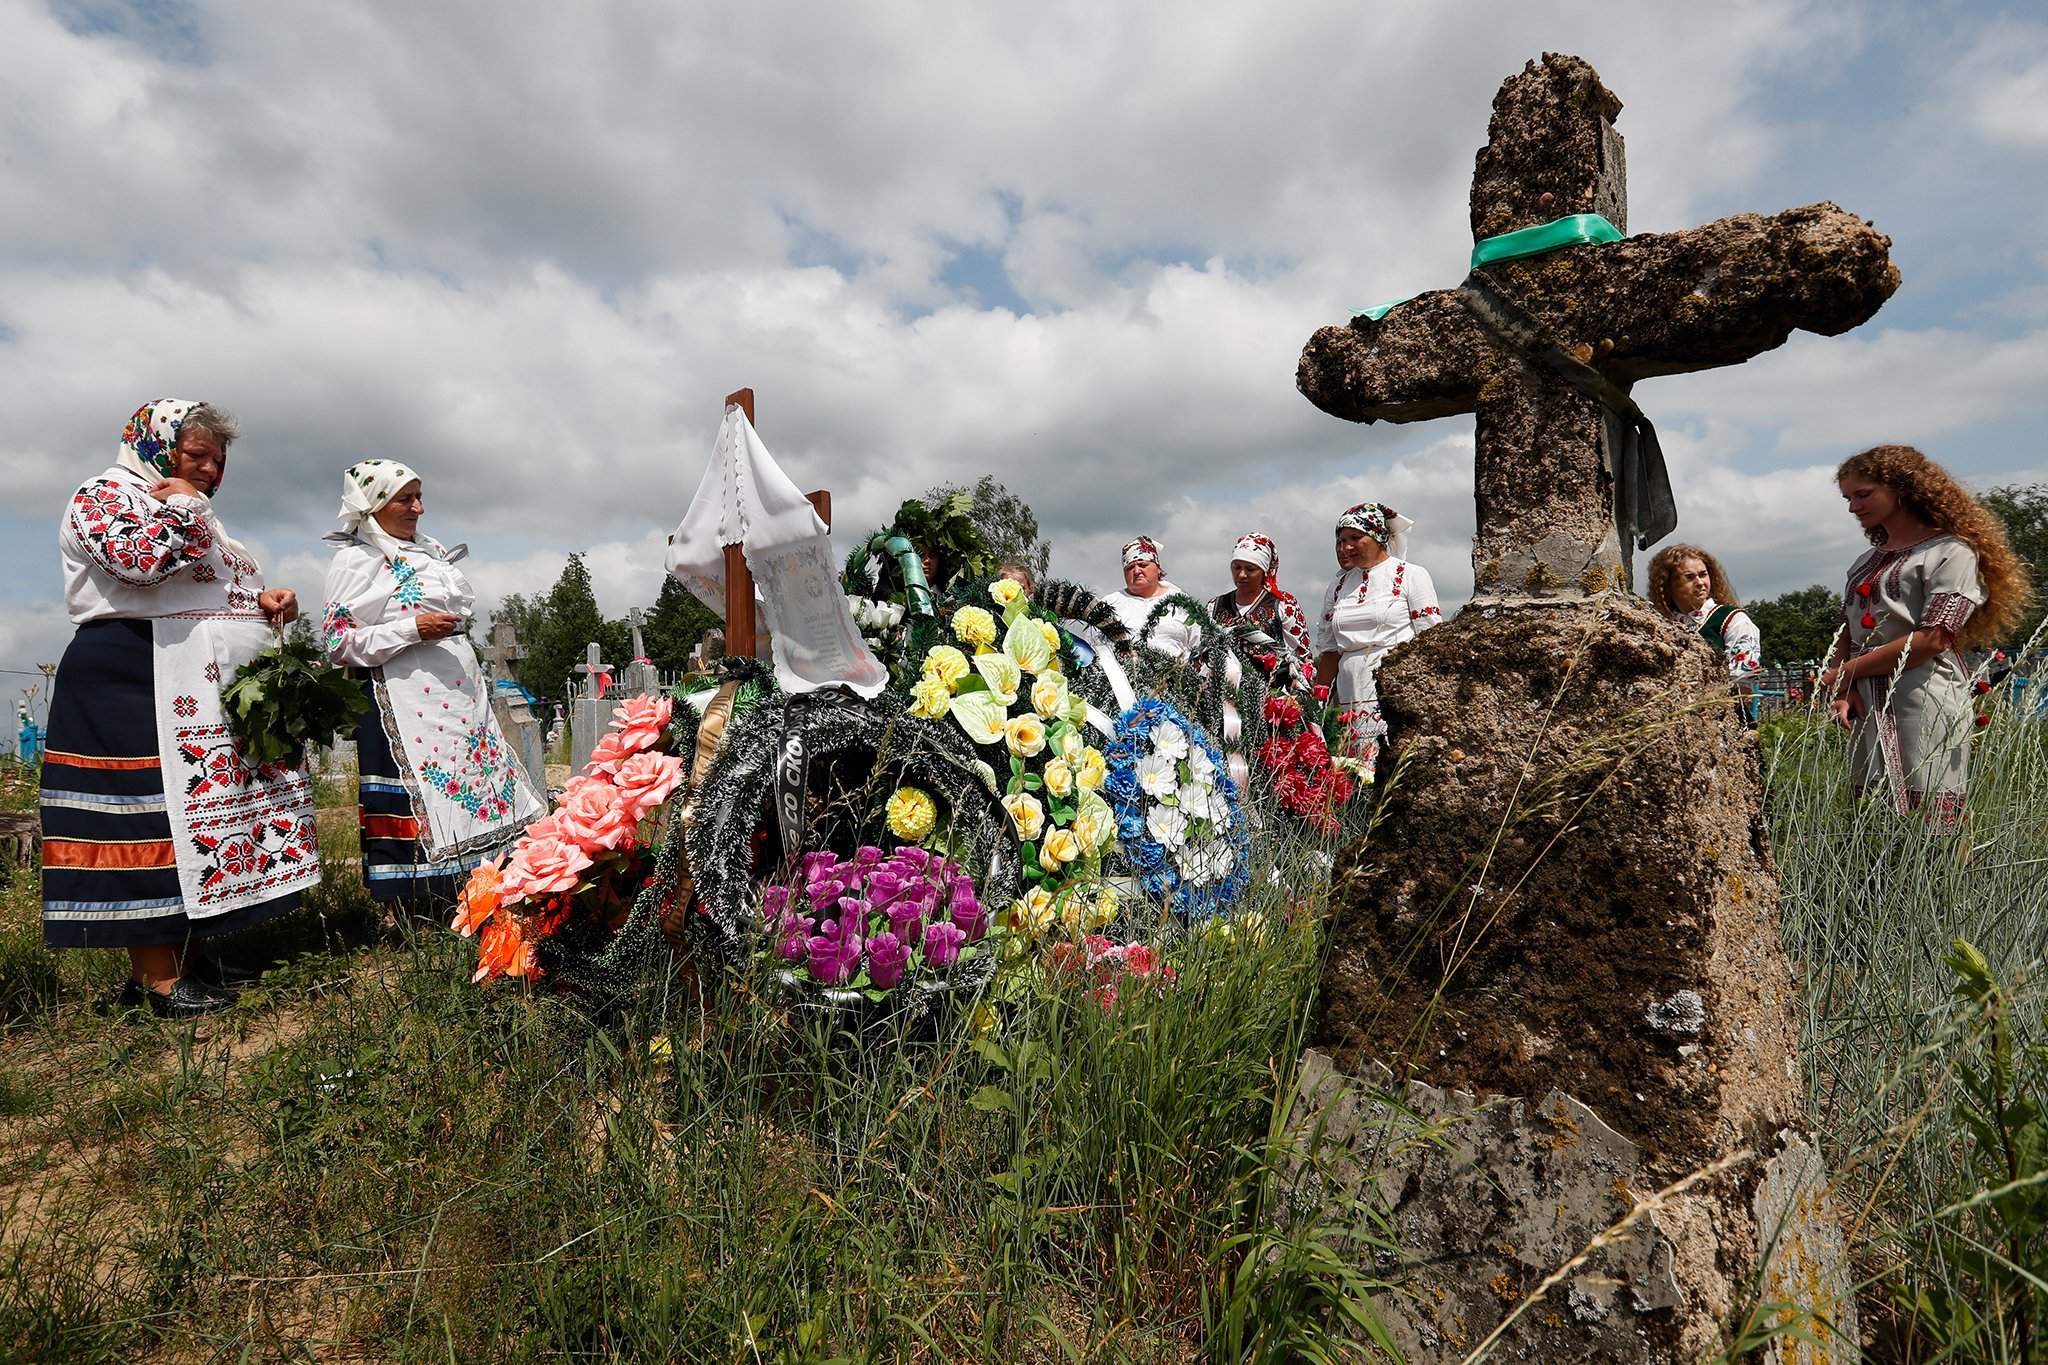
<point x="1644" y="508"/>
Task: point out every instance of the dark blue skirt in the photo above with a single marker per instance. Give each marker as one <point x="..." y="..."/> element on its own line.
<point x="110" y="871"/>
<point x="395" y="865"/>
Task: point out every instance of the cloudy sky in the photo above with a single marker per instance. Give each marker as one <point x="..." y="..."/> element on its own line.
<point x="527" y="247"/>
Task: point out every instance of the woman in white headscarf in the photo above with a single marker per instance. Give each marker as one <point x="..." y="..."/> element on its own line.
<point x="157" y="831"/>
<point x="1145" y="585"/>
<point x="1257" y="601"/>
<point x="1377" y="601"/>
<point x="440" y="789"/>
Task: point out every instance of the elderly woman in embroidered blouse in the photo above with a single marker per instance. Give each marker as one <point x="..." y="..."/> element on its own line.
<point x="439" y="788"/>
<point x="1689" y="586"/>
<point x="157" y="832"/>
<point x="1378" y="600"/>
<point x="1940" y="578"/>
<point x="1256" y="600"/>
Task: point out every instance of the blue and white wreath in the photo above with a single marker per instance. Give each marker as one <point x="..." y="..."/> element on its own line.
<point x="1179" y="823"/>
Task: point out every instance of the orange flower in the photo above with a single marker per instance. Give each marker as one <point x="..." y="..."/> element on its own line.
<point x="501" y="950"/>
<point x="481" y="896"/>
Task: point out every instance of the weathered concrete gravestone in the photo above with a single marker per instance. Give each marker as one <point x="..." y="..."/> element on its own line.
<point x="1570" y="908"/>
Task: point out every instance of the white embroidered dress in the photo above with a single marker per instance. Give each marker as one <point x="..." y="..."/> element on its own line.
<point x="243" y="833"/>
<point x="1366" y="612"/>
<point x="468" y="789"/>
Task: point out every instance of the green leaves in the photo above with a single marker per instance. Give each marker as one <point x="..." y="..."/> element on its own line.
<point x="286" y="696"/>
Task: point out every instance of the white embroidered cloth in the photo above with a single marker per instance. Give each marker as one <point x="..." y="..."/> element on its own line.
<point x="745" y="499"/>
<point x="244" y="834"/>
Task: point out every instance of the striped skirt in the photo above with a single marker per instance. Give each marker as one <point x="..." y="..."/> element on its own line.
<point x="395" y="866"/>
<point x="110" y="871"/>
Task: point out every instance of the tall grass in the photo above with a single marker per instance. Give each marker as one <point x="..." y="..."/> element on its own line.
<point x="1872" y="902"/>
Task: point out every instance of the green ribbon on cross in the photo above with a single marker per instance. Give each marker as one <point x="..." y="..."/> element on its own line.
<point x="1574" y="230"/>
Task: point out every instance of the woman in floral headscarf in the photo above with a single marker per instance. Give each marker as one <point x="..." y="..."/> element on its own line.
<point x="1257" y="601"/>
<point x="1145" y="585"/>
<point x="157" y="832"/>
<point x="1378" y="600"/>
<point x="440" y="789"/>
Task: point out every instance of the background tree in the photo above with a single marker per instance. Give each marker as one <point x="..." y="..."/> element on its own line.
<point x="675" y="626"/>
<point x="1798" y="627"/>
<point x="1006" y="522"/>
<point x="556" y="630"/>
<point x="2024" y="510"/>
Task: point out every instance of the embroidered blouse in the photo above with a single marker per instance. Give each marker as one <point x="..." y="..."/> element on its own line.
<point x="1174" y="636"/>
<point x="1744" y="643"/>
<point x="373" y="603"/>
<point x="128" y="555"/>
<point x="1278" y="615"/>
<point x="1366" y="612"/>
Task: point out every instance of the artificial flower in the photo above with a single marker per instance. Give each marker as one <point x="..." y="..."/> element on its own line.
<point x="1169" y="740"/>
<point x="1025" y="736"/>
<point x="1064" y="846"/>
<point x="1049" y="695"/>
<point x="974" y="627"/>
<point x="503" y="951"/>
<point x="928" y="697"/>
<point x="1157" y="775"/>
<point x="645" y="781"/>
<point x="1025" y="643"/>
<point x="1051" y="634"/>
<point x="982" y="716"/>
<point x="481" y="896"/>
<point x="1168" y="825"/>
<point x="1002" y="675"/>
<point x="942" y="944"/>
<point x="1092" y="771"/>
<point x="641" y="720"/>
<point x="1095" y="824"/>
<point x="1070" y="745"/>
<point x="945" y="663"/>
<point x="594" y="816"/>
<point x="887" y="956"/>
<point x="542" y="867"/>
<point x="1026" y="814"/>
<point x="1034" y="914"/>
<point x="1005" y="591"/>
<point x="607" y="754"/>
<point x="911" y="814"/>
<point x="1059" y="778"/>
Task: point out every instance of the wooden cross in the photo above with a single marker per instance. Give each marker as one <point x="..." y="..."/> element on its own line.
<point x="1661" y="303"/>
<point x="739" y="580"/>
<point x="590" y="667"/>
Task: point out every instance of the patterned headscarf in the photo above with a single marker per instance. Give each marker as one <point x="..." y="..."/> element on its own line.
<point x="1257" y="549"/>
<point x="1382" y="523"/>
<point x="150" y="443"/>
<point x="1142" y="550"/>
<point x="149" y="446"/>
<point x="365" y="487"/>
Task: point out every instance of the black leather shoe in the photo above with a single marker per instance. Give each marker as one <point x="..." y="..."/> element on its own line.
<point x="209" y="970"/>
<point x="188" y="999"/>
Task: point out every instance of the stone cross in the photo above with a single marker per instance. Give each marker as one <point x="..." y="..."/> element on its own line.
<point x="635" y="619"/>
<point x="505" y="650"/>
<point x="590" y="667"/>
<point x="1656" y="304"/>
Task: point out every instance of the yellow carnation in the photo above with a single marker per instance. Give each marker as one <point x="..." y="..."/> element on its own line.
<point x="974" y="627"/>
<point x="1049" y="695"/>
<point x="1026" y="814"/>
<point x="1005" y="591"/>
<point x="1025" y="735"/>
<point x="928" y="697"/>
<point x="1093" y="769"/>
<point x="912" y="813"/>
<point x="1059" y="778"/>
<point x="945" y="663"/>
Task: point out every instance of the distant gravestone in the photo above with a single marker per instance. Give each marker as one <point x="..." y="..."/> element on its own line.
<point x="1563" y="935"/>
<point x="589" y="713"/>
<point x="524" y="730"/>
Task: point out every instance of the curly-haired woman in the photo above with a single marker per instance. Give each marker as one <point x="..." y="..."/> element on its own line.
<point x="1939" y="579"/>
<point x="1688" y="585"/>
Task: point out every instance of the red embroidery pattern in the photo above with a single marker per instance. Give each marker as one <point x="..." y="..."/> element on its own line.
<point x="137" y="544"/>
<point x="186" y="707"/>
<point x="251" y="824"/>
<point x="213" y="673"/>
<point x="204" y="574"/>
